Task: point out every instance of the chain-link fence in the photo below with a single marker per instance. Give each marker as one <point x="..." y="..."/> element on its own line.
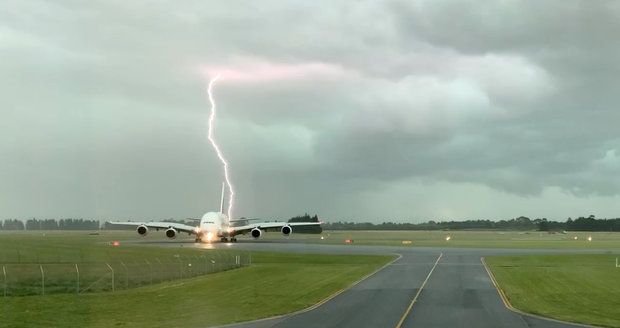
<point x="20" y="279"/>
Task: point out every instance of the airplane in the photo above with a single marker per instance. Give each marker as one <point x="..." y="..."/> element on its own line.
<point x="214" y="225"/>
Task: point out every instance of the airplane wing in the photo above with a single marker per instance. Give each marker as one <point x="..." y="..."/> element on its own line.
<point x="271" y="226"/>
<point x="160" y="225"/>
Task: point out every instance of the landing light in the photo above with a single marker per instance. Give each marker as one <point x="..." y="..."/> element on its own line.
<point x="589" y="238"/>
<point x="448" y="238"/>
<point x="208" y="237"/>
<point x="115" y="243"/>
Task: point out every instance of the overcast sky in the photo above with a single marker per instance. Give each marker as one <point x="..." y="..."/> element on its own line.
<point x="353" y="110"/>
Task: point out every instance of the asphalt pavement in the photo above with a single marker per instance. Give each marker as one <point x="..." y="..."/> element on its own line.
<point x="450" y="286"/>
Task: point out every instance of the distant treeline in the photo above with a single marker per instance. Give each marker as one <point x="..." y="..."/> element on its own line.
<point x="49" y="224"/>
<point x="306" y="218"/>
<point x="109" y="226"/>
<point x="589" y="223"/>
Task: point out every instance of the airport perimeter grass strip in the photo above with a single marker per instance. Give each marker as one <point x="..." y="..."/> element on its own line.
<point x="461" y="238"/>
<point x="329" y="298"/>
<point x="276" y="284"/>
<point x="580" y="289"/>
<point x="513" y="309"/>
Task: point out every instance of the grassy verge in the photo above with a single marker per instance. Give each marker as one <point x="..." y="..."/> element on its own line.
<point x="29" y="245"/>
<point x="70" y="262"/>
<point x="274" y="284"/>
<point x="477" y="239"/>
<point x="577" y="288"/>
<point x="79" y="246"/>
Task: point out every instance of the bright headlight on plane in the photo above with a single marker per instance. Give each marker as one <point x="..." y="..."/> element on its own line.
<point x="448" y="238"/>
<point x="589" y="238"/>
<point x="197" y="230"/>
<point x="209" y="236"/>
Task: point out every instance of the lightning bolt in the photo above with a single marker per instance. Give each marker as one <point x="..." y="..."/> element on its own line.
<point x="231" y="192"/>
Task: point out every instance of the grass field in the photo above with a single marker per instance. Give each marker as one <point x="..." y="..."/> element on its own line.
<point x="76" y="262"/>
<point x="577" y="288"/>
<point x="77" y="246"/>
<point x="274" y="284"/>
<point x="555" y="286"/>
<point x="483" y="239"/>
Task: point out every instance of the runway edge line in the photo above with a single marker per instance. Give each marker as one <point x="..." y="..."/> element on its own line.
<point x="509" y="306"/>
<point x="314" y="306"/>
<point x="415" y="298"/>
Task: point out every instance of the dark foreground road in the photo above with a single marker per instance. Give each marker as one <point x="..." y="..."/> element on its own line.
<point x="452" y="287"/>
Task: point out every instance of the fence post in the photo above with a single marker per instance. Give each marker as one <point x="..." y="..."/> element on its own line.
<point x="150" y="270"/>
<point x="42" y="280"/>
<point x="112" y="276"/>
<point x="77" y="271"/>
<point x="5" y="284"/>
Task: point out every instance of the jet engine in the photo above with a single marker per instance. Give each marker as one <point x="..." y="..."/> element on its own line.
<point x="287" y="230"/>
<point x="142" y="230"/>
<point x="256" y="233"/>
<point x="171" y="233"/>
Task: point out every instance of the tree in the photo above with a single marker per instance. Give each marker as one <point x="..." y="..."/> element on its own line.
<point x="543" y="225"/>
<point x="307" y="229"/>
<point x="13" y="224"/>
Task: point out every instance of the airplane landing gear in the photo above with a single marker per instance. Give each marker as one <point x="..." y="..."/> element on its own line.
<point x="224" y="239"/>
<point x="233" y="239"/>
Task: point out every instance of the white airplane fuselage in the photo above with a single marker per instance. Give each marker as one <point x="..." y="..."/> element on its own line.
<point x="213" y="225"/>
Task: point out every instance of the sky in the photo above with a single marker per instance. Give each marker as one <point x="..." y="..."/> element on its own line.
<point x="353" y="110"/>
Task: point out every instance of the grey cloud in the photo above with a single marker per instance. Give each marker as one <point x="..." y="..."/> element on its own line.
<point x="105" y="110"/>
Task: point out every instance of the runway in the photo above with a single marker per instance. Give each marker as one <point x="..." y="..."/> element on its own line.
<point x="453" y="289"/>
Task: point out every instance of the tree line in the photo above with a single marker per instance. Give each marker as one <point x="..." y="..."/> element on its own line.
<point x="49" y="224"/>
<point x="306" y="218"/>
<point x="589" y="223"/>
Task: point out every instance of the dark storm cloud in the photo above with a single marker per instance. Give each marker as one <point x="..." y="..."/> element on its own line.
<point x="328" y="107"/>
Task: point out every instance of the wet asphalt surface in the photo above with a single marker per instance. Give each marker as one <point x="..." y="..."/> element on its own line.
<point x="458" y="291"/>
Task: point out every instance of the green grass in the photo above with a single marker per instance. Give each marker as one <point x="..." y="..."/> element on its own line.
<point x="62" y="255"/>
<point x="75" y="247"/>
<point x="577" y="288"/>
<point x="79" y="246"/>
<point x="274" y="284"/>
<point x="481" y="239"/>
